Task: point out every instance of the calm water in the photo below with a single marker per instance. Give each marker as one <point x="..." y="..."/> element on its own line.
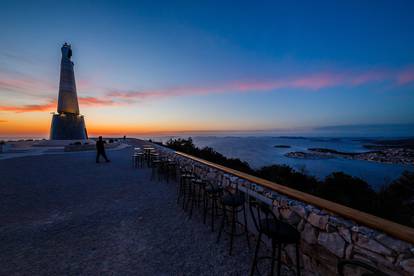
<point x="260" y="151"/>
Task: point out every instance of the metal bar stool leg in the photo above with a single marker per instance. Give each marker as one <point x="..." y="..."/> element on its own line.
<point x="245" y="227"/>
<point x="279" y="258"/>
<point x="222" y="224"/>
<point x="192" y="199"/>
<point x="256" y="253"/>
<point x="213" y="209"/>
<point x="272" y="267"/>
<point x="184" y="194"/>
<point x="297" y="260"/>
<point x="179" y="191"/>
<point x="205" y="201"/>
<point x="188" y="194"/>
<point x="233" y="229"/>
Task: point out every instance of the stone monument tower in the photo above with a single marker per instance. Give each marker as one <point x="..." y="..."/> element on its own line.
<point x="67" y="124"/>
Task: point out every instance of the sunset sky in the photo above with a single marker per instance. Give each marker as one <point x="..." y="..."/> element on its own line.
<point x="167" y="66"/>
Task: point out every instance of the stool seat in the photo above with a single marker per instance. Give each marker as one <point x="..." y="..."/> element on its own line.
<point x="187" y="175"/>
<point x="233" y="200"/>
<point x="232" y="205"/>
<point x="213" y="190"/>
<point x="279" y="231"/>
<point x="198" y="181"/>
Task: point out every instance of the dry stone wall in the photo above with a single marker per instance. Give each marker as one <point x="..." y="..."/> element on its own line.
<point x="326" y="237"/>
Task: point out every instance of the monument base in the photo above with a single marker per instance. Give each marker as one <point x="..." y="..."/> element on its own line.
<point x="60" y="143"/>
<point x="68" y="127"/>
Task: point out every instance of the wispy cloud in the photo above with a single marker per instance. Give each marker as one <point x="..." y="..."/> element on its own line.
<point x="406" y="76"/>
<point x="48" y="106"/>
<point x="15" y="56"/>
<point x="312" y="82"/>
<point x="24" y="84"/>
<point x="29" y="85"/>
<point x="304" y="81"/>
<point x="93" y="101"/>
<point x="3" y="121"/>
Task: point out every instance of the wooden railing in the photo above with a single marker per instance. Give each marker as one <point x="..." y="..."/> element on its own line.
<point x="396" y="230"/>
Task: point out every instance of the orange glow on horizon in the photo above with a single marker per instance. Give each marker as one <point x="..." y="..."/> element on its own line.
<point x="37" y="127"/>
<point x="118" y="122"/>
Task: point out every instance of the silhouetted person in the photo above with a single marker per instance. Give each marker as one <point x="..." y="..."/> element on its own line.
<point x="100" y="150"/>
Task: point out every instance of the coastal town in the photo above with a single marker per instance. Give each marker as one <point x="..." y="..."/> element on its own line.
<point x="387" y="155"/>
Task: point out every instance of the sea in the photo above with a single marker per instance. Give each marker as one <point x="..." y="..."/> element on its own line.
<point x="261" y="151"/>
<point x="258" y="149"/>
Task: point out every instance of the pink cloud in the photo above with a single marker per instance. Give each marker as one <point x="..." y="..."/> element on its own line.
<point x="405" y="76"/>
<point x="50" y="105"/>
<point x="24" y="84"/>
<point x="314" y="82"/>
<point x="27" y="85"/>
<point x="317" y="81"/>
<point x="311" y="82"/>
<point x="370" y="76"/>
<point x="93" y="101"/>
<point x="29" y="108"/>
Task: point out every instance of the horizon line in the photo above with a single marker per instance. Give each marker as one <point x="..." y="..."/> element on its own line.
<point x="344" y="127"/>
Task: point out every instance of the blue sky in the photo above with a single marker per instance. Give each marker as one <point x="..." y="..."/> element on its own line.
<point x="146" y="66"/>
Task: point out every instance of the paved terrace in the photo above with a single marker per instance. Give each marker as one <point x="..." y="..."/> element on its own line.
<point x="63" y="214"/>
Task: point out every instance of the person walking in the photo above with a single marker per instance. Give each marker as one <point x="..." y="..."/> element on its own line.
<point x="100" y="150"/>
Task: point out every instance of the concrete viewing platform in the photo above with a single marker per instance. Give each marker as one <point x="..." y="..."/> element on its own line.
<point x="63" y="214"/>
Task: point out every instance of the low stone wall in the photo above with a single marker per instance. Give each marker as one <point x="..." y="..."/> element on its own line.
<point x="89" y="147"/>
<point x="326" y="237"/>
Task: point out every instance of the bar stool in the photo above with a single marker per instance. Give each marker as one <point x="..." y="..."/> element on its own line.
<point x="153" y="155"/>
<point x="155" y="168"/>
<point x="166" y="166"/>
<point x="197" y="189"/>
<point x="147" y="149"/>
<point x="138" y="159"/>
<point x="277" y="231"/>
<point x="172" y="170"/>
<point x="212" y="194"/>
<point x="162" y="166"/>
<point x="232" y="205"/>
<point x="184" y="188"/>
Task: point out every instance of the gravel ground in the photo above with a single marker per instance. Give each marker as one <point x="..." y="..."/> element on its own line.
<point x="66" y="215"/>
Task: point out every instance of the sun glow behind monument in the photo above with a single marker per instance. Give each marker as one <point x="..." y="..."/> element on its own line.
<point x="67" y="124"/>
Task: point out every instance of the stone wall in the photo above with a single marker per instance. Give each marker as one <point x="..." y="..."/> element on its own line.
<point x="326" y="237"/>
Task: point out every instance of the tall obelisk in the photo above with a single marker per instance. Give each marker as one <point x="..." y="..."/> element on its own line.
<point x="67" y="124"/>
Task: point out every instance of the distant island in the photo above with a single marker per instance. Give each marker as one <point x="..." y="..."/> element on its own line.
<point x="282" y="146"/>
<point x="385" y="151"/>
<point x="332" y="151"/>
<point x="307" y="155"/>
